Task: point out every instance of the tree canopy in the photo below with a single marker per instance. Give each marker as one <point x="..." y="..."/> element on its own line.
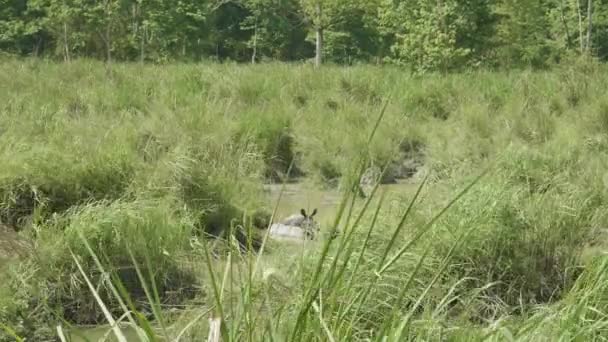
<point x="418" y="34"/>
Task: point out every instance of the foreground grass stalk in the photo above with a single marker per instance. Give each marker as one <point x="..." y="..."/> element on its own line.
<point x="365" y="294"/>
<point x="142" y="321"/>
<point x="11" y="332"/>
<point x="406" y="322"/>
<point x="355" y="272"/>
<point x="217" y="292"/>
<point x="323" y="324"/>
<point x="157" y="302"/>
<point x="191" y="324"/>
<point x="115" y="328"/>
<point x="272" y="217"/>
<point x="313" y="287"/>
<point x="403" y="292"/>
<point x="102" y="270"/>
<point x="401" y="224"/>
<point x="347" y="239"/>
<point x="60" y="334"/>
<point x="430" y="224"/>
<point x="115" y="282"/>
<point x="154" y="303"/>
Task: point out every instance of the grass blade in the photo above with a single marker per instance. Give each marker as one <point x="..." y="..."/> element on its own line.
<point x="144" y="285"/>
<point x="323" y="324"/>
<point x="11" y="332"/>
<point x="117" y="332"/>
<point x="430" y="224"/>
<point x="313" y="289"/>
<point x="60" y="334"/>
<point x="111" y="285"/>
<point x="157" y="303"/>
<point x="191" y="323"/>
<point x="405" y="323"/>
<point x="401" y="224"/>
<point x="216" y="291"/>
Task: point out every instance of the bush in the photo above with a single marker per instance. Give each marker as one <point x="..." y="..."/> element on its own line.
<point x="47" y="181"/>
<point x="152" y="231"/>
<point x="525" y="243"/>
<point x="276" y="142"/>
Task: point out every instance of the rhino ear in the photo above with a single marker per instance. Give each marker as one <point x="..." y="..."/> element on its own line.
<point x="303" y="212"/>
<point x="314" y="212"/>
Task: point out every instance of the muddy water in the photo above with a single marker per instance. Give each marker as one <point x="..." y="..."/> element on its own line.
<point x="292" y="197"/>
<point x="102" y="333"/>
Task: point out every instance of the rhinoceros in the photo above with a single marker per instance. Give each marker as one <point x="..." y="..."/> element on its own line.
<point x="295" y="227"/>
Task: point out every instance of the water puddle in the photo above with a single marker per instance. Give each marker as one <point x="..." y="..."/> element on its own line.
<point x="298" y="195"/>
<point x="101" y="333"/>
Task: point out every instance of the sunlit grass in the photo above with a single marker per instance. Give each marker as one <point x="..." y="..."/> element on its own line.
<point x="140" y="190"/>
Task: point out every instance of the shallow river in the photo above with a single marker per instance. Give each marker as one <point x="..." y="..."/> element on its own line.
<point x="296" y="196"/>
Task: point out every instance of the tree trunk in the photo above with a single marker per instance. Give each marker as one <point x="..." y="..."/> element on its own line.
<point x="108" y="32"/>
<point x="142" y="53"/>
<point x="139" y="30"/>
<point x="255" y="44"/>
<point x="590" y="26"/>
<point x="319" y="45"/>
<point x="66" y="48"/>
<point x="108" y="44"/>
<point x="319" y="50"/>
<point x="580" y="27"/>
<point x="38" y="46"/>
<point x="565" y="23"/>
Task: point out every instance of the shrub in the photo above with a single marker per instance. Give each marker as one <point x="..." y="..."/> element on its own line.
<point x="151" y="231"/>
<point x="46" y="181"/>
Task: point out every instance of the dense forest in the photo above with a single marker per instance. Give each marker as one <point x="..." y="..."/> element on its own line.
<point x="418" y="34"/>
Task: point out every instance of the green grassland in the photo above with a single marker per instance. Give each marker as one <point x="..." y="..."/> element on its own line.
<point x="141" y="189"/>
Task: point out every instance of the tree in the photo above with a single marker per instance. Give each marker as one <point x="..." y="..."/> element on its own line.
<point x="276" y="29"/>
<point x="523" y="34"/>
<point x="600" y="29"/>
<point x="314" y="11"/>
<point x="344" y="29"/>
<point x="420" y="34"/>
<point x="66" y="22"/>
<point x="227" y="39"/>
<point x="438" y="34"/>
<point x="352" y="31"/>
<point x="21" y="28"/>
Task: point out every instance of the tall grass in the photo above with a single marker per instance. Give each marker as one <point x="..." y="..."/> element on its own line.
<point x="141" y="189"/>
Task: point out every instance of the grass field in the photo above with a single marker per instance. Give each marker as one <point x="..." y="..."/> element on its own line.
<point x="139" y="193"/>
